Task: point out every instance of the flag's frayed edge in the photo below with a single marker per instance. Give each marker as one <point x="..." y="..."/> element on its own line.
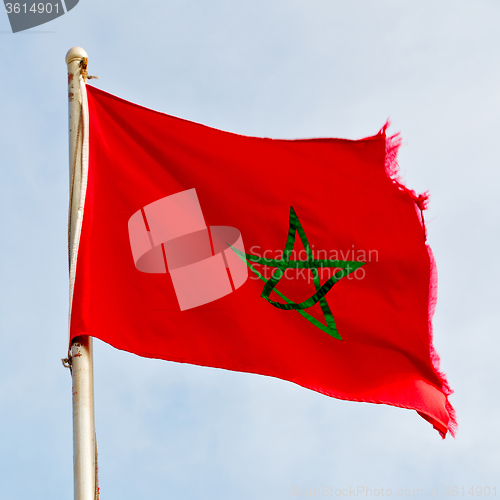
<point x="436" y="361"/>
<point x="392" y="145"/>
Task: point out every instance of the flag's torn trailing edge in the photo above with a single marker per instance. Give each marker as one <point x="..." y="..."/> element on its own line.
<point x="393" y="143"/>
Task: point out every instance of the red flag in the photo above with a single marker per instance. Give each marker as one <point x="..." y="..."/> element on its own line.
<point x="304" y="260"/>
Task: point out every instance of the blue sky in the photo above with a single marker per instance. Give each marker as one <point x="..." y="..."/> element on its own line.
<point x="287" y="69"/>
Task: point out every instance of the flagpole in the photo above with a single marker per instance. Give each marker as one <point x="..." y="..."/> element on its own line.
<point x="84" y="443"/>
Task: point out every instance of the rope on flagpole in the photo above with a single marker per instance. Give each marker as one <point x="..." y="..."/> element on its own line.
<point x="96" y="489"/>
<point x="68" y="363"/>
<point x="83" y="70"/>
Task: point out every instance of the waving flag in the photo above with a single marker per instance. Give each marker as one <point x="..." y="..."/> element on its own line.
<point x="304" y="260"/>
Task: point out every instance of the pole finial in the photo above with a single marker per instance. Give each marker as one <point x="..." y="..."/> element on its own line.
<point x="75" y="53"/>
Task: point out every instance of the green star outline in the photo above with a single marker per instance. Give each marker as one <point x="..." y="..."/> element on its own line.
<point x="345" y="268"/>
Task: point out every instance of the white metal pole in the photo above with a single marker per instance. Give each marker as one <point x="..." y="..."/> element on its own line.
<point x="84" y="445"/>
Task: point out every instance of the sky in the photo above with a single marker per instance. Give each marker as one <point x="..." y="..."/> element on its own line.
<point x="283" y="69"/>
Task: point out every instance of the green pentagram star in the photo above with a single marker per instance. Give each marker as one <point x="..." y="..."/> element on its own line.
<point x="344" y="267"/>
